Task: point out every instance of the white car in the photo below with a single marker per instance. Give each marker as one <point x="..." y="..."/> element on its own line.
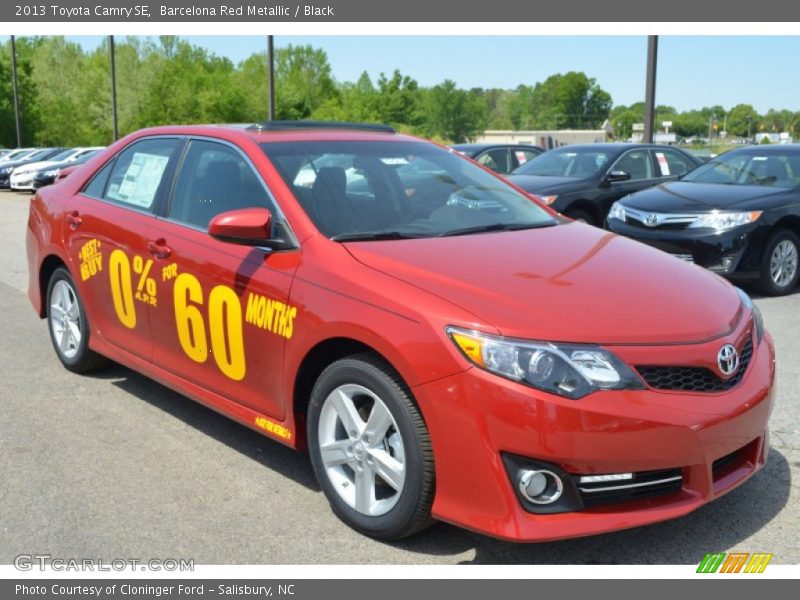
<point x="22" y="177"/>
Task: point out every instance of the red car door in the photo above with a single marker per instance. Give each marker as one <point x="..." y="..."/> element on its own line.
<point x="106" y="232"/>
<point x="223" y="315"/>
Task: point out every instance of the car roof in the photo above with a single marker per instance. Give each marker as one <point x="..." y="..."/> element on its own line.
<point x="285" y="132"/>
<point x="613" y="146"/>
<point x="793" y="149"/>
<point x="477" y="147"/>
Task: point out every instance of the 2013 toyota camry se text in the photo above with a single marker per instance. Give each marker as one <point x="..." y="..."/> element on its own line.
<point x="443" y="344"/>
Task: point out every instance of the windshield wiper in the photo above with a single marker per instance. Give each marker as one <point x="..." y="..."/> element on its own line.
<point x="364" y="236"/>
<point x="496" y="227"/>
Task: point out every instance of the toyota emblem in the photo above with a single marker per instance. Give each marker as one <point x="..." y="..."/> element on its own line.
<point x="728" y="360"/>
<point x="652" y="220"/>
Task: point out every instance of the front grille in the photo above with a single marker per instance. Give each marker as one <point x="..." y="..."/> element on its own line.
<point x="695" y="379"/>
<point x="668" y="226"/>
<point x="645" y="484"/>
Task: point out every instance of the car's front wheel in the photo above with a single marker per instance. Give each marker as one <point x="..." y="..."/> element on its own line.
<point x="69" y="328"/>
<point x="370" y="448"/>
<point x="581" y="215"/>
<point x="779" y="263"/>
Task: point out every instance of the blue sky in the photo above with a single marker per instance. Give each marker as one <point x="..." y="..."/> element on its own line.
<point x="693" y="71"/>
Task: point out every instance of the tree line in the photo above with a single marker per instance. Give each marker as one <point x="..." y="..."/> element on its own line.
<point x="65" y="96"/>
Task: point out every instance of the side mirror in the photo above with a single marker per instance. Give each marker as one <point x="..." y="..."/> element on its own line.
<point x="613" y="176"/>
<point x="246" y="226"/>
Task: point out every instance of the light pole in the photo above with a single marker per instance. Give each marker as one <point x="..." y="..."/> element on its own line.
<point x="16" y="90"/>
<point x="113" y="63"/>
<point x="749" y="121"/>
<point x="650" y="89"/>
<point x="711" y="122"/>
<point x="271" y="78"/>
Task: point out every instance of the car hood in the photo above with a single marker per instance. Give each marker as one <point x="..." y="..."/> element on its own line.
<point x="685" y="196"/>
<point x="545" y="185"/>
<point x="567" y="283"/>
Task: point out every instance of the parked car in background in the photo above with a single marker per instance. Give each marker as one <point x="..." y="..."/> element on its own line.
<point x="7" y="168"/>
<point x="442" y="345"/>
<point x="500" y="158"/>
<point x="582" y="181"/>
<point x="22" y="177"/>
<point x="54" y="171"/>
<point x="17" y="154"/>
<point x="737" y="215"/>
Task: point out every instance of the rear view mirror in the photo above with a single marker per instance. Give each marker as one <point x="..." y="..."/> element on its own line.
<point x="246" y="226"/>
<point x="613" y="176"/>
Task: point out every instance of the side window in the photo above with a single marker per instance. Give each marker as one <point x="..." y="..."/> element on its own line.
<point x="97" y="186"/>
<point x="520" y="157"/>
<point x="496" y="160"/>
<point x="213" y="179"/>
<point x="670" y="163"/>
<point x="138" y="172"/>
<point x="636" y="163"/>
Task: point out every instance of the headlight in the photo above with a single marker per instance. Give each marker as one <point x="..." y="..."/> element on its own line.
<point x="617" y="211"/>
<point x="722" y="220"/>
<point x="758" y="320"/>
<point x="548" y="199"/>
<point x="569" y="370"/>
<point x="51" y="173"/>
<point x="6" y="170"/>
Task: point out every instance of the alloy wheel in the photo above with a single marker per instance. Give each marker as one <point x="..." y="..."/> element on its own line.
<point x="65" y="319"/>
<point x="783" y="263"/>
<point x="361" y="449"/>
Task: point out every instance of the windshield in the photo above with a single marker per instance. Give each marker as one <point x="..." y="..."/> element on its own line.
<point x="577" y="163"/>
<point x="391" y="190"/>
<point x="40" y="154"/>
<point x="771" y="169"/>
<point x="62" y="155"/>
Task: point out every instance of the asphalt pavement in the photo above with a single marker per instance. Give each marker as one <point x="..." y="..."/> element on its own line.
<point x="114" y="465"/>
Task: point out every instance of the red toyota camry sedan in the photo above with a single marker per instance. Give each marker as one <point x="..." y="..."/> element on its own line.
<point x="444" y="345"/>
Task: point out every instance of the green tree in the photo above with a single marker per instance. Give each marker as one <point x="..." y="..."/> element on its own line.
<point x="28" y="94"/>
<point x="741" y="119"/>
<point x="571" y="100"/>
<point x="398" y="100"/>
<point x="303" y="81"/>
<point x="454" y="114"/>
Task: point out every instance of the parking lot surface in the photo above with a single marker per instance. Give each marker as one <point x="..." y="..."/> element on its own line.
<point x="114" y="465"/>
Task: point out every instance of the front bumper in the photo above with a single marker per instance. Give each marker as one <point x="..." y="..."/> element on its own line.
<point x="5" y="182"/>
<point x="21" y="182"/>
<point x="734" y="253"/>
<point x="477" y="420"/>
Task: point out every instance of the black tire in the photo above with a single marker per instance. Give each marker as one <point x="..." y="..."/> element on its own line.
<point x="412" y="511"/>
<point x="83" y="360"/>
<point x="581" y="215"/>
<point x="766" y="284"/>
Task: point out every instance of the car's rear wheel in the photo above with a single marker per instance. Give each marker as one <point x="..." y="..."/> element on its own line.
<point x="779" y="263"/>
<point x="69" y="329"/>
<point x="370" y="448"/>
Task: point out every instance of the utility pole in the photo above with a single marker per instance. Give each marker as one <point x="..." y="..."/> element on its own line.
<point x="271" y="79"/>
<point x="650" y="89"/>
<point x="711" y="121"/>
<point x="16" y="89"/>
<point x="749" y="120"/>
<point x="112" y="60"/>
